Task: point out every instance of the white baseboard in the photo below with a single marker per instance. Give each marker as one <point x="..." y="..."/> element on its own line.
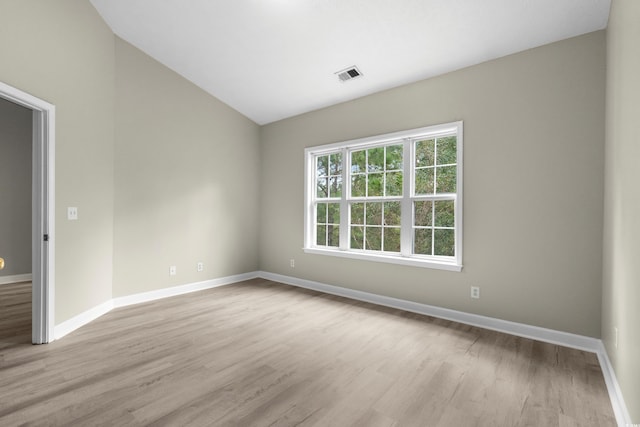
<point x="551" y="336"/>
<point x="6" y="280"/>
<point x="180" y="290"/>
<point x="565" y="339"/>
<point x="615" y="393"/>
<point x="519" y="329"/>
<point x="81" y="319"/>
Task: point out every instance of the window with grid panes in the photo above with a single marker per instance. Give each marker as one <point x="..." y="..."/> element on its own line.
<point x="392" y="198"/>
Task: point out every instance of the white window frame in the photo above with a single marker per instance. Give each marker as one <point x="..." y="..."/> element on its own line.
<point x="405" y="257"/>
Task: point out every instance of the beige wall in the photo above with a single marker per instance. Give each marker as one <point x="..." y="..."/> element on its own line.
<point x="186" y="164"/>
<point x="186" y="173"/>
<point x="533" y="189"/>
<point x="15" y="188"/>
<point x="61" y="51"/>
<point x="621" y="285"/>
<point x="196" y="181"/>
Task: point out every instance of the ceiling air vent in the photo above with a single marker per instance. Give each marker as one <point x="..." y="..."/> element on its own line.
<point x="348" y="74"/>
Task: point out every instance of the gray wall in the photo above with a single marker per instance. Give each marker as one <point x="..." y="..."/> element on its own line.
<point x="63" y="52"/>
<point x="533" y="189"/>
<point x="621" y="284"/>
<point x="185" y="183"/>
<point x="15" y="188"/>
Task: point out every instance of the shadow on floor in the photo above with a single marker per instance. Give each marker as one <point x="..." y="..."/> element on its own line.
<point x="15" y="314"/>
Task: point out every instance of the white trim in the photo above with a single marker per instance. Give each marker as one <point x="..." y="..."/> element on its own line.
<point x="551" y="336"/>
<point x="17" y="278"/>
<point x="180" y="290"/>
<point x="382" y="257"/>
<point x="407" y="139"/>
<point x="43" y="211"/>
<point x="308" y="198"/>
<point x="82" y="319"/>
<point x="565" y="339"/>
<point x="92" y="314"/>
<point x="430" y="131"/>
<point x="615" y="393"/>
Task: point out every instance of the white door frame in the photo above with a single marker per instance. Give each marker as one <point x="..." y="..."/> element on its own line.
<point x="43" y="220"/>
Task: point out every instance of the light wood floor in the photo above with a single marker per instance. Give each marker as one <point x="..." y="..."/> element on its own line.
<point x="260" y="353"/>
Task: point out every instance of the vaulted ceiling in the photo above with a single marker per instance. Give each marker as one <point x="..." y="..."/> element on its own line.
<point x="273" y="59"/>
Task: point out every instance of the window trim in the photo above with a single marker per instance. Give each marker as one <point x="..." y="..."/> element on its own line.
<point x="310" y="153"/>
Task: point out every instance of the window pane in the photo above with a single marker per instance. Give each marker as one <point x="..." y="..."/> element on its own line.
<point x="322" y="187"/>
<point x="444" y="213"/>
<point x="374" y="181"/>
<point x="423" y="214"/>
<point x="335" y="186"/>
<point x="391" y="239"/>
<point x="357" y="237"/>
<point x="393" y="184"/>
<point x="394" y="157"/>
<point x="422" y="241"/>
<point x="375" y="159"/>
<point x="424" y="181"/>
<point x="357" y="213"/>
<point x="392" y="213"/>
<point x="333" y="235"/>
<point x="373" y="238"/>
<point x="425" y="152"/>
<point x="358" y="162"/>
<point x="333" y="211"/>
<point x="321" y="236"/>
<point x="321" y="213"/>
<point x="446" y="150"/>
<point x="335" y="164"/>
<point x="446" y="179"/>
<point x="322" y="166"/>
<point x="444" y="242"/>
<point x="374" y="213"/>
<point x="358" y="183"/>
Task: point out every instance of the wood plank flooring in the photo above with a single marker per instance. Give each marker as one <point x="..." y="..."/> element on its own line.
<point x="15" y="316"/>
<point x="259" y="353"/>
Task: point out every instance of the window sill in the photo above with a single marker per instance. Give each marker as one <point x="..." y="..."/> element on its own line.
<point x="366" y="256"/>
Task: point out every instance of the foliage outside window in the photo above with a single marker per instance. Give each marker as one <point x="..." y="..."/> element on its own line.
<point x="393" y="198"/>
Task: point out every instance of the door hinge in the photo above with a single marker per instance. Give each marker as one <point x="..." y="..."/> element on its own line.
<point x="46" y="237"/>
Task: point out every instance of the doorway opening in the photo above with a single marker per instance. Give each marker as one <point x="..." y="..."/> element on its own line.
<point x="42" y="208"/>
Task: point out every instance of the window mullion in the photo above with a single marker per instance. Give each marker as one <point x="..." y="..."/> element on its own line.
<point x="344" y="204"/>
<point x="433" y="223"/>
<point x="406" y="217"/>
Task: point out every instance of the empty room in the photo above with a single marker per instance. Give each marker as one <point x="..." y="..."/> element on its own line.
<point x="319" y="213"/>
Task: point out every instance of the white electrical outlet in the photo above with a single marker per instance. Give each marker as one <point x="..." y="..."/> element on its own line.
<point x="292" y="263"/>
<point x="172" y="270"/>
<point x="200" y="266"/>
<point x="615" y="337"/>
<point x="475" y="292"/>
<point x="72" y="213"/>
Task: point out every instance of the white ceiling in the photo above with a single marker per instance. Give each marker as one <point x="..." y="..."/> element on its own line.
<point x="272" y="59"/>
